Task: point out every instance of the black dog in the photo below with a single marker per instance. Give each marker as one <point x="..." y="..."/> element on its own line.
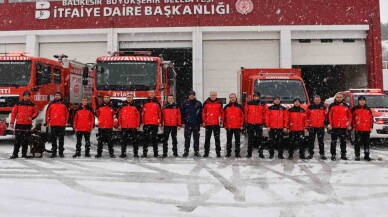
<point x="37" y="141"/>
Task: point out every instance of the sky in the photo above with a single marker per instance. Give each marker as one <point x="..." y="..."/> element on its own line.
<point x="384" y="11"/>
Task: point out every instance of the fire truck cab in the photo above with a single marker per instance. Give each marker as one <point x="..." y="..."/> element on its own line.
<point x="285" y="83"/>
<point x="42" y="77"/>
<point x="377" y="100"/>
<point x="118" y="76"/>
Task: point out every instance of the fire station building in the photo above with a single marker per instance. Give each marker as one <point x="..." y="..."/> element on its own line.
<point x="337" y="44"/>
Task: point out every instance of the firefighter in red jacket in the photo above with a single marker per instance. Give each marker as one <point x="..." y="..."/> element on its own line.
<point x="23" y="112"/>
<point x="233" y="123"/>
<point x="129" y="122"/>
<point x="152" y="118"/>
<point x="316" y="114"/>
<point x="340" y="120"/>
<point x="83" y="125"/>
<point x="276" y="122"/>
<point x="255" y="111"/>
<point x="297" y="125"/>
<point x="57" y="116"/>
<point x="105" y="114"/>
<point x="212" y="117"/>
<point x="171" y="123"/>
<point x="362" y="125"/>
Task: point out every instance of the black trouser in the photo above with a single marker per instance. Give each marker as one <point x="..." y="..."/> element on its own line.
<point x="150" y="136"/>
<point x="320" y="133"/>
<point x="166" y="134"/>
<point x="255" y="134"/>
<point x="276" y="139"/>
<point x="341" y="133"/>
<point x="296" y="140"/>
<point x="128" y="136"/>
<point x="229" y="136"/>
<point x="22" y="131"/>
<point x="208" y="134"/>
<point x="57" y="132"/>
<point x="362" y="138"/>
<point x="79" y="136"/>
<point x="192" y="129"/>
<point x="105" y="136"/>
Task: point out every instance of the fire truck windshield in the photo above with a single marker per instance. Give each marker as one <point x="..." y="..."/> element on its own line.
<point x="15" y="73"/>
<point x="373" y="101"/>
<point x="127" y="75"/>
<point x="287" y="90"/>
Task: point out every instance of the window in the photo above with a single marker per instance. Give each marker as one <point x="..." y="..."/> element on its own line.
<point x="326" y="40"/>
<point x="43" y="74"/>
<point x="348" y="40"/>
<point x="304" y="41"/>
<point x="57" y="76"/>
<point x="347" y="100"/>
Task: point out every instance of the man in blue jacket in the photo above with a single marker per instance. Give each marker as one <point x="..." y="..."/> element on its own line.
<point x="191" y="111"/>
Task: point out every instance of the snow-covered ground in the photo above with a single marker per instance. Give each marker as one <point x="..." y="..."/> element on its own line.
<point x="193" y="186"/>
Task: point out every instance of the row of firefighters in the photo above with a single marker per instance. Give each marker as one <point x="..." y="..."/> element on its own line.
<point x="191" y="115"/>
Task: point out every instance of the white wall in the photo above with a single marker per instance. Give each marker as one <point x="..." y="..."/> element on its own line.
<point x="7" y="48"/>
<point x="222" y="60"/>
<point x="335" y="53"/>
<point x="85" y="52"/>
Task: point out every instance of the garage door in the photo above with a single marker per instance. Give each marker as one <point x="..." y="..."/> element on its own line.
<point x="7" y="48"/>
<point x="222" y="60"/>
<point x="85" y="52"/>
<point x="328" y="52"/>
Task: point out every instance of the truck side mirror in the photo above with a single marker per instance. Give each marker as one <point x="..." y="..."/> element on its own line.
<point x="244" y="97"/>
<point x="85" y="73"/>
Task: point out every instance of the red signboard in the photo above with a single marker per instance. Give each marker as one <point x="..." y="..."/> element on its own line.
<point x="81" y="14"/>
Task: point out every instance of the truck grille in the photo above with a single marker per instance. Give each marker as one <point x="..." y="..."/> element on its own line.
<point x="8" y="101"/>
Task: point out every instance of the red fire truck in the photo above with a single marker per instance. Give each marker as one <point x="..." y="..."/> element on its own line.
<point x="42" y="77"/>
<point x="118" y="76"/>
<point x="284" y="83"/>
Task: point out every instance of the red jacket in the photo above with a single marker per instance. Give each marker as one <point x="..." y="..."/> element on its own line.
<point x="316" y="114"/>
<point x="105" y="114"/>
<point x="255" y="112"/>
<point x="276" y="117"/>
<point x="340" y="115"/>
<point x="23" y="112"/>
<point x="171" y="115"/>
<point x="129" y="116"/>
<point x="151" y="112"/>
<point x="296" y="119"/>
<point x="362" y="118"/>
<point x="233" y="116"/>
<point x="84" y="119"/>
<point x="212" y="112"/>
<point x="57" y="114"/>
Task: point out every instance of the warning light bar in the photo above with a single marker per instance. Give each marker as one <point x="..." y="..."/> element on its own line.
<point x="15" y="53"/>
<point x="365" y="90"/>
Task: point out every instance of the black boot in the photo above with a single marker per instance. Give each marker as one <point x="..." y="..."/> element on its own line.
<point x="302" y="157"/>
<point x="333" y="158"/>
<point x="196" y="154"/>
<point x="290" y="157"/>
<point x="261" y="155"/>
<point x="123" y="155"/>
<point x="249" y="155"/>
<point x="77" y="154"/>
<point x="343" y="157"/>
<point x="358" y="158"/>
<point x="238" y="155"/>
<point x="14" y="156"/>
<point x="144" y="155"/>
<point x="176" y="154"/>
<point x="367" y="158"/>
<point x="185" y="154"/>
<point x="98" y="155"/>
<point x="218" y="154"/>
<point x="280" y="156"/>
<point x="87" y="154"/>
<point x="311" y="156"/>
<point x="53" y="155"/>
<point x="323" y="157"/>
<point x="136" y="155"/>
<point x="228" y="154"/>
<point x="164" y="155"/>
<point x="206" y="154"/>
